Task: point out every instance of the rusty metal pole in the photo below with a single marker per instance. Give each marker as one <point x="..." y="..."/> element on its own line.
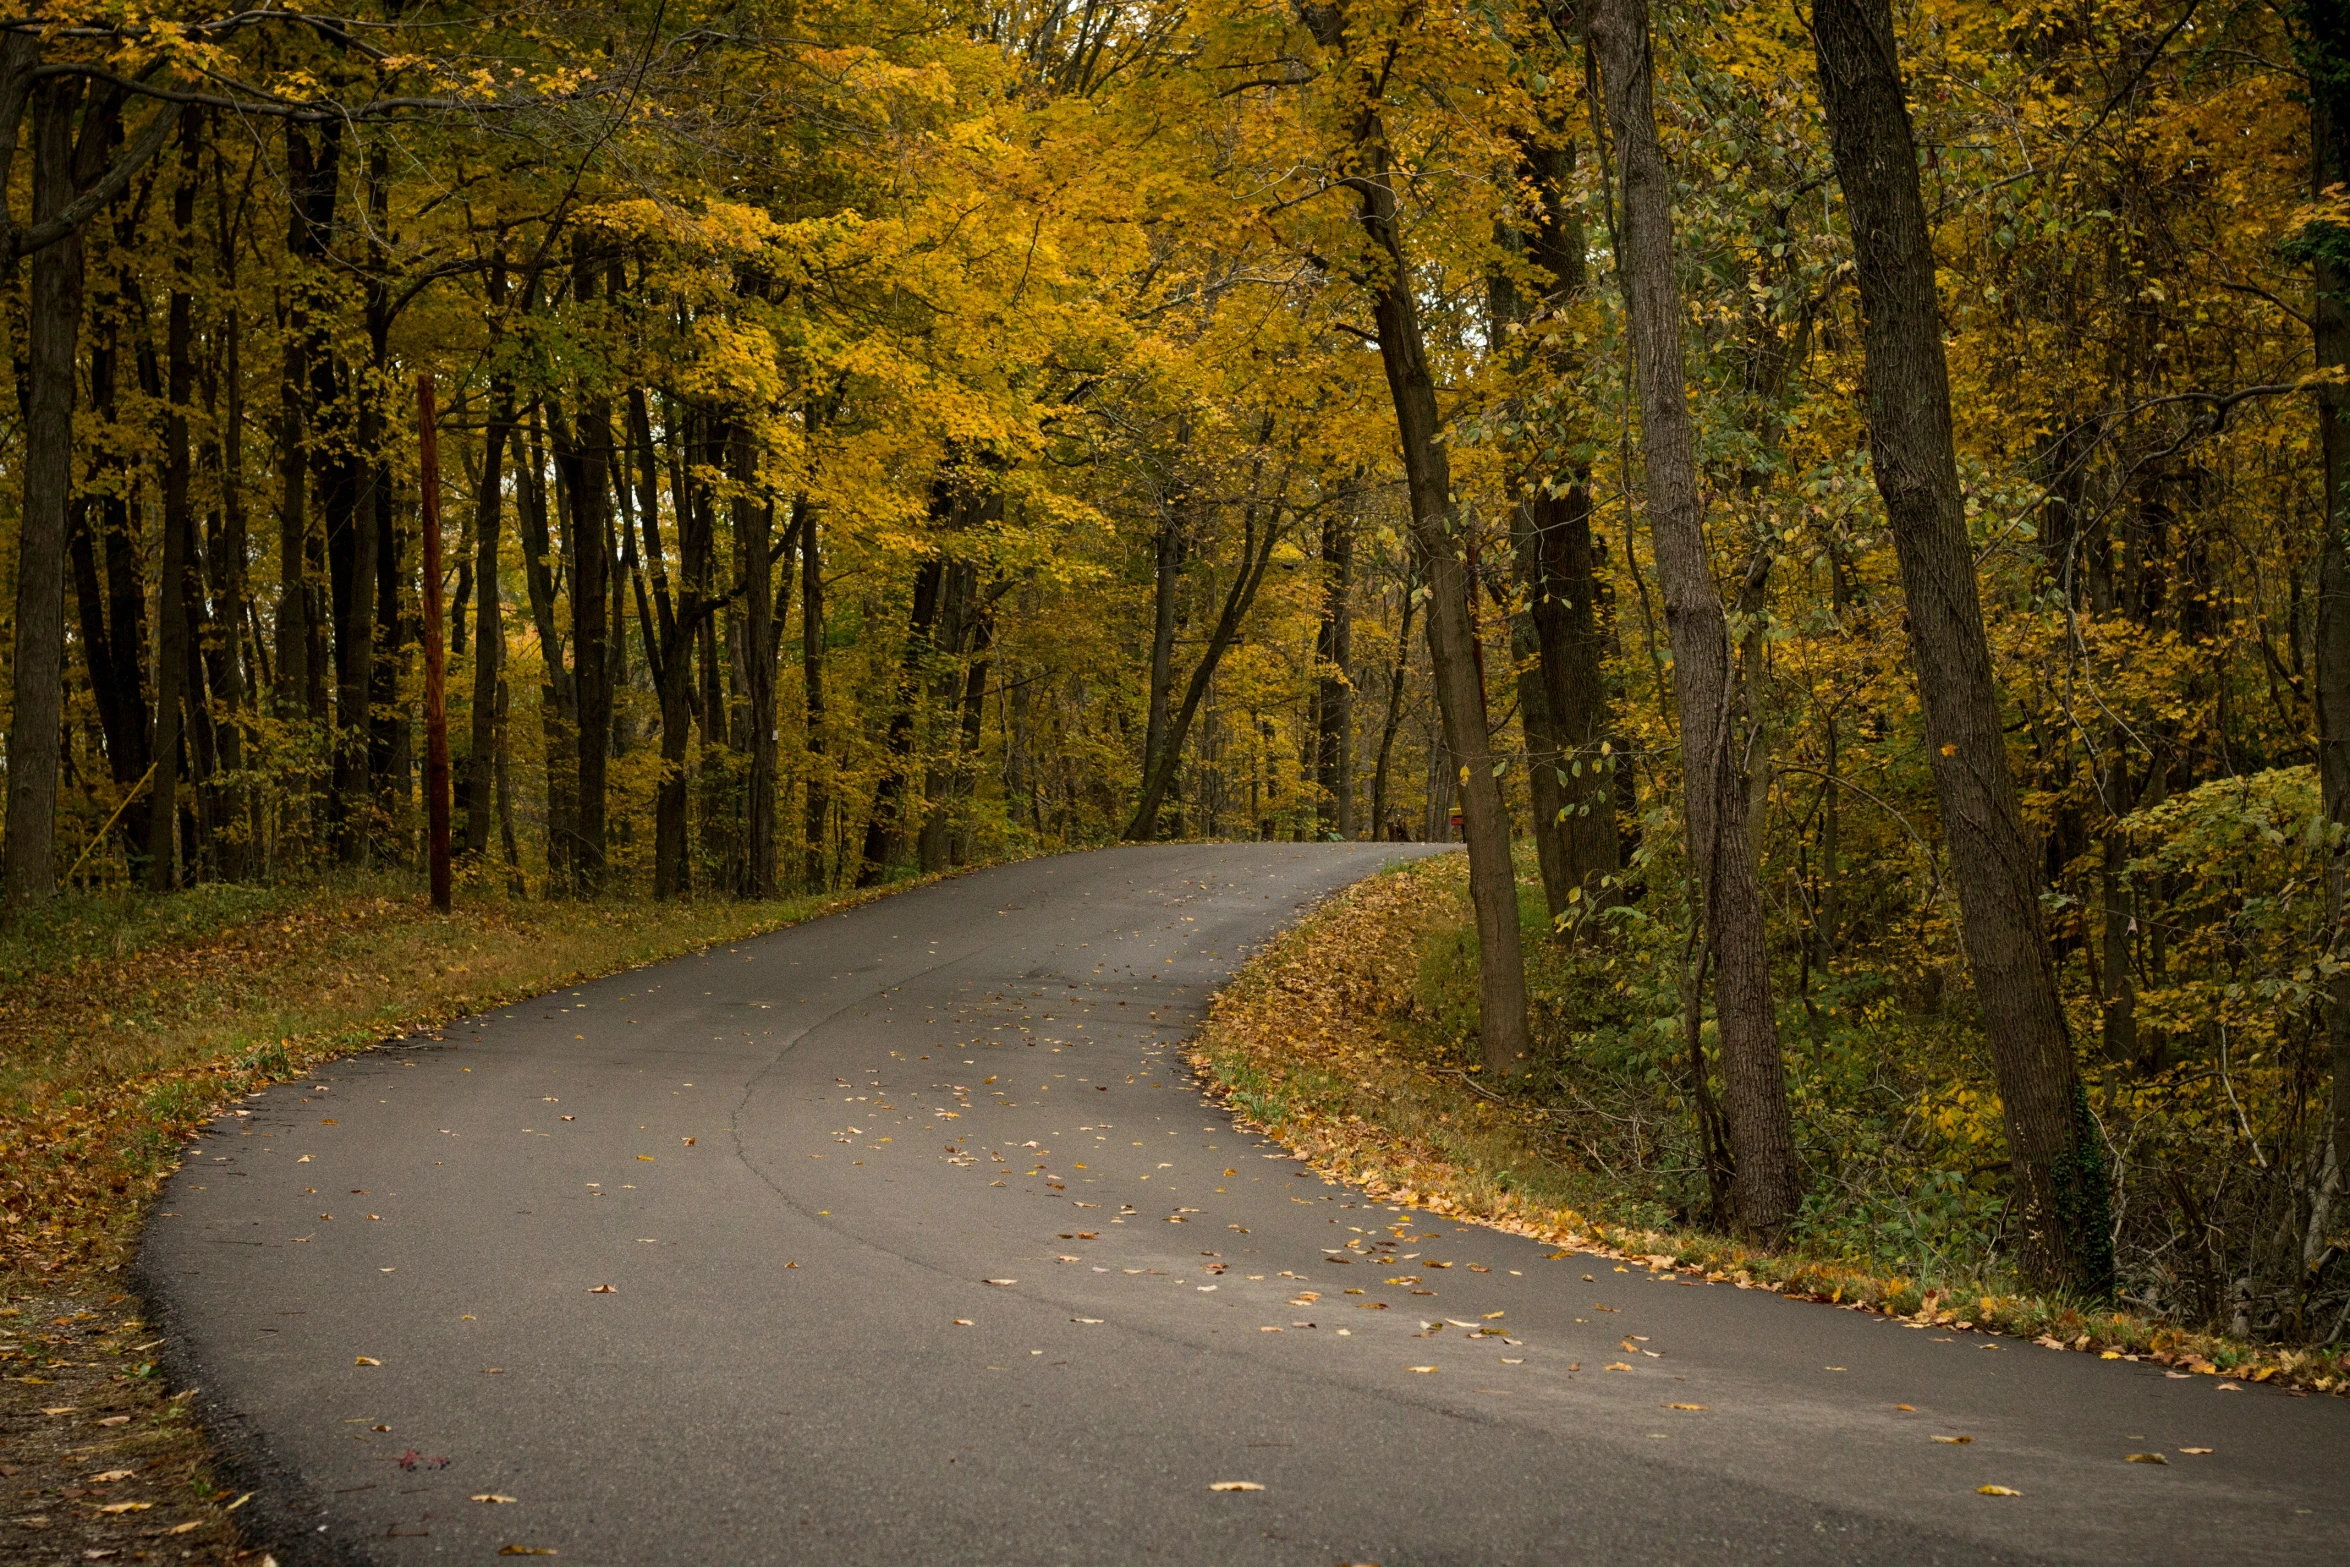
<point x="436" y="708"/>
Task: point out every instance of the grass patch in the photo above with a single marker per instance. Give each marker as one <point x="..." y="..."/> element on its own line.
<point x="1348" y="1040"/>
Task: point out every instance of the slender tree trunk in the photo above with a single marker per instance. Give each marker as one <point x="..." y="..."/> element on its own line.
<point x="1440" y="539"/>
<point x="1256" y="553"/>
<point x="1761" y="1128"/>
<point x="1166" y="579"/>
<point x="2059" y="1155"/>
<point x="53" y="321"/>
<point x="1382" y="824"/>
<point x="1334" y="689"/>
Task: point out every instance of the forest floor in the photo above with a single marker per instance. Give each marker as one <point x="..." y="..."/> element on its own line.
<point x="126" y="1023"/>
<point x="1338" y="1040"/>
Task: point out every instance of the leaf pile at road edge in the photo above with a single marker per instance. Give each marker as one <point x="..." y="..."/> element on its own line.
<point x="1299" y="1046"/>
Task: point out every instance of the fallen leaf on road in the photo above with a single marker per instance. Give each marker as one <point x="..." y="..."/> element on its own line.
<point x="962" y="1322"/>
<point x="60" y="1409"/>
<point x="1091" y="1322"/>
<point x="1619" y="1366"/>
<point x="1955" y="1441"/>
<point x="1235" y="1485"/>
<point x="1423" y="1370"/>
<point x="603" y="1289"/>
<point x="492" y="1496"/>
<point x="1907" y="1408"/>
<point x="999" y="1281"/>
<point x="112" y="1475"/>
<point x="126" y="1507"/>
<point x="646" y="1158"/>
<point x="1684" y="1406"/>
<point x="527" y="1550"/>
<point x="2194" y="1449"/>
<point x="365" y="1360"/>
<point x="1995" y="1490"/>
<point x="2147" y="1458"/>
<point x="1505" y="1360"/>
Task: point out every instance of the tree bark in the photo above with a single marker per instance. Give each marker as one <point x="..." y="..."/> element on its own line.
<point x="754" y="526"/>
<point x="1761" y="1129"/>
<point x="178" y="591"/>
<point x="53" y="321"/>
<point x="489" y="630"/>
<point x="1382" y="825"/>
<point x="819" y="804"/>
<point x="1256" y="553"/>
<point x="1334" y="691"/>
<point x="1437" y="531"/>
<point x="2058" y="1154"/>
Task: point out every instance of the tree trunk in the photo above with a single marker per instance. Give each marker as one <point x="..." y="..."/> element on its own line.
<point x="1382" y="824"/>
<point x="1166" y="576"/>
<point x="53" y="321"/>
<point x="819" y="803"/>
<point x="179" y="592"/>
<point x="1334" y="691"/>
<point x="489" y="630"/>
<point x="1256" y="553"/>
<point x="754" y="527"/>
<point x="1437" y="539"/>
<point x="556" y="709"/>
<point x="2057" y="1150"/>
<point x="1761" y="1129"/>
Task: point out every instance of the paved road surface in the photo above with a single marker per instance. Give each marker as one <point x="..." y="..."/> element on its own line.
<point x="797" y="1162"/>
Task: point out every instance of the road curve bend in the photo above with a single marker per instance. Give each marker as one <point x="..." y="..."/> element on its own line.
<point x="903" y="1236"/>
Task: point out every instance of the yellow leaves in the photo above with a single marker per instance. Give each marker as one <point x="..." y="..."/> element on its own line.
<point x="1421" y="1370"/>
<point x="365" y="1360"/>
<point x="2146" y="1458"/>
<point x="1234" y="1485"/>
<point x="1995" y="1490"/>
<point x="490" y="1496"/>
<point x="1955" y="1441"/>
<point x="118" y="1508"/>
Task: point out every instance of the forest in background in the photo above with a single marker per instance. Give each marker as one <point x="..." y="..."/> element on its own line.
<point x="885" y="435"/>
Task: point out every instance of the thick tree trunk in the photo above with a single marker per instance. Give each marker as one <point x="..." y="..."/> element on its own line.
<point x="180" y="592"/>
<point x="754" y="527"/>
<point x="589" y="473"/>
<point x="557" y="719"/>
<point x="53" y="321"/>
<point x="813" y="871"/>
<point x="489" y="631"/>
<point x="2329" y="140"/>
<point x="2059" y="1156"/>
<point x="1761" y="1129"/>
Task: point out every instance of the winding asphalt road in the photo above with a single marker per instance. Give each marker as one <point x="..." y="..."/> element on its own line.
<point x="903" y="1237"/>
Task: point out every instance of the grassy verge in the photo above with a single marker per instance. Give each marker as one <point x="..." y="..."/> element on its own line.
<point x="1327" y="1041"/>
<point x="126" y="1024"/>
